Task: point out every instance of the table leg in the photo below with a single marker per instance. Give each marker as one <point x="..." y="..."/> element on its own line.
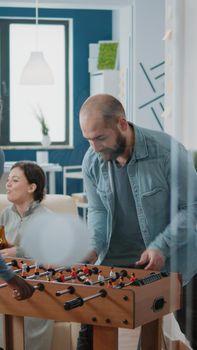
<point x="52" y="189"/>
<point x="14" y="338"/>
<point x="151" y="335"/>
<point x="105" y="338"/>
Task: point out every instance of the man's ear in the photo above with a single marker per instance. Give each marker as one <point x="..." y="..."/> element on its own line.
<point x="122" y="123"/>
<point x="32" y="188"/>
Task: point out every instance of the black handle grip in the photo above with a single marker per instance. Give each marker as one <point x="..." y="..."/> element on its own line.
<point x="40" y="286"/>
<point x="72" y="304"/>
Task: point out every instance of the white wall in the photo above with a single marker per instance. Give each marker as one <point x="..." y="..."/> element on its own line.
<point x="140" y="31"/>
<point x="149" y="53"/>
<point x="181" y="71"/>
<point x="122" y="31"/>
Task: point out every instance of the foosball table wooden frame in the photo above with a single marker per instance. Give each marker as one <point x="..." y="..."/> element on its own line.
<point x="126" y="305"/>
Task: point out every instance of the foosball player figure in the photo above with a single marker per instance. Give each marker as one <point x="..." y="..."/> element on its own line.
<point x="87" y="280"/>
<point x="20" y="263"/>
<point x="86" y="270"/>
<point x="24" y="270"/>
<point x="100" y="277"/>
<point x="121" y="282"/>
<point x="73" y="274"/>
<point x="49" y="274"/>
<point x="48" y="278"/>
<point x="60" y="277"/>
<point x="36" y="270"/>
<point x="110" y="284"/>
<point x="112" y="274"/>
<point x="132" y="277"/>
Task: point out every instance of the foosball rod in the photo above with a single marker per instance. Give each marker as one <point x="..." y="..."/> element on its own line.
<point x="12" y="263"/>
<point x="45" y="273"/>
<point x="2" y="285"/>
<point x="72" y="304"/>
<point x="118" y="274"/>
<point x="80" y="274"/>
<point x="69" y="290"/>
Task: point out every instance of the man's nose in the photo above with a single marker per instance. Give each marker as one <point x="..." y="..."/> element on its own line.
<point x="95" y="146"/>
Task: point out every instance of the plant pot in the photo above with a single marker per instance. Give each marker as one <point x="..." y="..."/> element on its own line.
<point x="46" y="141"/>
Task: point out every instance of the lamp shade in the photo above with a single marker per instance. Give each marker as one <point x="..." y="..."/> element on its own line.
<point x="37" y="71"/>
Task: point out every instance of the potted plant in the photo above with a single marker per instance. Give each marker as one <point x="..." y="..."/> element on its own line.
<point x="46" y="141"/>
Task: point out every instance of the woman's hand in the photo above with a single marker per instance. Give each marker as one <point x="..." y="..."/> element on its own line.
<point x="91" y="257"/>
<point x="21" y="289"/>
<point x="8" y="252"/>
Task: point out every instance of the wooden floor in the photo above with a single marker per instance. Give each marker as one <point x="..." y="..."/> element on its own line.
<point x="128" y="339"/>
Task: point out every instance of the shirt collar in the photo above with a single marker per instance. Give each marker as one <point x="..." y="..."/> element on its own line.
<point x="140" y="147"/>
<point x="29" y="210"/>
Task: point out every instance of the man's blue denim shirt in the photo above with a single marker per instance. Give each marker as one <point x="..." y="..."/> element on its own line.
<point x="164" y="184"/>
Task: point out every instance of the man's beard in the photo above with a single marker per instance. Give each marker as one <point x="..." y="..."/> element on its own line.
<point x="117" y="150"/>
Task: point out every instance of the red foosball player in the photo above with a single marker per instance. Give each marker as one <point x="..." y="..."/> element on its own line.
<point x="60" y="277"/>
<point x="132" y="278"/>
<point x="110" y="284"/>
<point x="86" y="270"/>
<point x="88" y="280"/>
<point x="73" y="274"/>
<point x="20" y="263"/>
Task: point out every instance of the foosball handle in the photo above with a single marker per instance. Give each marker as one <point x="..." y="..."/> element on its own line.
<point x="70" y="290"/>
<point x="40" y="287"/>
<point x="72" y="304"/>
<point x="14" y="263"/>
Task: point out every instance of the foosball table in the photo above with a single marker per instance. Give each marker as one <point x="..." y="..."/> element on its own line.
<point x="107" y="298"/>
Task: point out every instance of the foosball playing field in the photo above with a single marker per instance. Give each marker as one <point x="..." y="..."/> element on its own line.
<point x="106" y="297"/>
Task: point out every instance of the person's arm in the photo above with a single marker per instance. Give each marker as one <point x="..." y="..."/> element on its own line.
<point x="21" y="289"/>
<point x="97" y="216"/>
<point x="92" y="257"/>
<point x="182" y="229"/>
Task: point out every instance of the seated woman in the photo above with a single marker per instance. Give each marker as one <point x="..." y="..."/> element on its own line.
<point x="25" y="190"/>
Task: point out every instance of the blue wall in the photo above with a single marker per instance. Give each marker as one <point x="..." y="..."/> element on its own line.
<point x="89" y="26"/>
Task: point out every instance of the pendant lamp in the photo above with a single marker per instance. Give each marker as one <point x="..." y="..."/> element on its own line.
<point x="37" y="71"/>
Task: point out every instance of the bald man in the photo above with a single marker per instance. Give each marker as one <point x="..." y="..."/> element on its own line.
<point x="127" y="175"/>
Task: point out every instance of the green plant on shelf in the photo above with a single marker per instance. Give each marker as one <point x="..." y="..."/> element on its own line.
<point x="40" y="117"/>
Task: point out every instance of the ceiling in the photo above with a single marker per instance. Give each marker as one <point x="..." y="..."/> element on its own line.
<point x="80" y="4"/>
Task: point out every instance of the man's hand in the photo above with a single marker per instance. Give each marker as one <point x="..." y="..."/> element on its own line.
<point x="153" y="258"/>
<point x="91" y="257"/>
<point x="21" y="289"/>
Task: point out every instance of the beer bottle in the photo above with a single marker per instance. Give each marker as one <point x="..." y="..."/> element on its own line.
<point x="3" y="241"/>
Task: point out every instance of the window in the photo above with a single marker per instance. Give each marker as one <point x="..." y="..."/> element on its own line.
<point x="21" y="103"/>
